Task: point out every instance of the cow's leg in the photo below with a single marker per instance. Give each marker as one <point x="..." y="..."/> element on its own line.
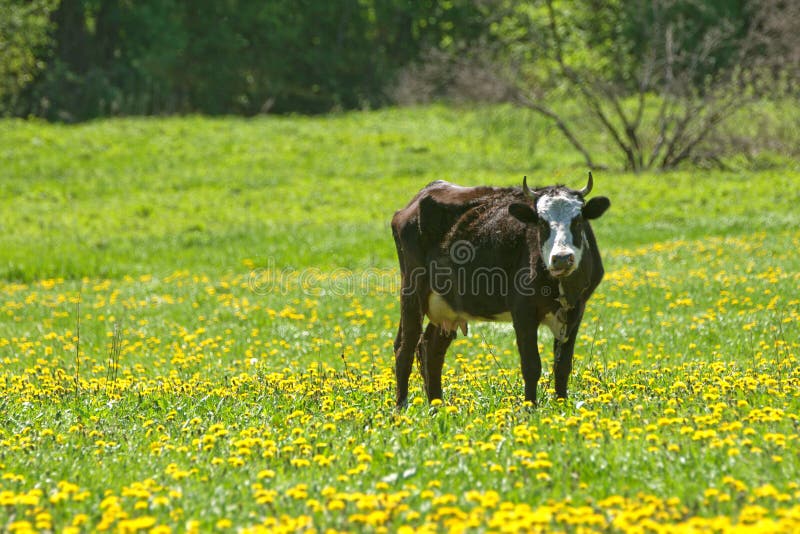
<point x="531" y="363"/>
<point x="562" y="364"/>
<point x="399" y="336"/>
<point x="409" y="334"/>
<point x="562" y="354"/>
<point x="431" y="351"/>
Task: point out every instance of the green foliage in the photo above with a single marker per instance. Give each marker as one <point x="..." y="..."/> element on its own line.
<point x="613" y="42"/>
<point x="79" y="59"/>
<point x="240" y="56"/>
<point x="24" y="39"/>
<point x="659" y="77"/>
<point x="590" y="33"/>
<point x="707" y="36"/>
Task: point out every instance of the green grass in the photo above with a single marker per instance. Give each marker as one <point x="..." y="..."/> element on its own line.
<point x="145" y="196"/>
<point x="249" y="269"/>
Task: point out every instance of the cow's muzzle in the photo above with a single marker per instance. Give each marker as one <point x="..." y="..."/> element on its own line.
<point x="562" y="264"/>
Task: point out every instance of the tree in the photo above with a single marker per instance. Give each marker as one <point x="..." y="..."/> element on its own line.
<point x="658" y="77"/>
<point x="234" y="56"/>
<point x="24" y="39"/>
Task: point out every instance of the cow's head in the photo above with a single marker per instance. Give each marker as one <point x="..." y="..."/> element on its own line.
<point x="559" y="213"/>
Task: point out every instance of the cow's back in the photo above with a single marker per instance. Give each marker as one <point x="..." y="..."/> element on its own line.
<point x="425" y="225"/>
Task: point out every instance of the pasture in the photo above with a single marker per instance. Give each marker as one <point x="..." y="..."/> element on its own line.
<point x="197" y="317"/>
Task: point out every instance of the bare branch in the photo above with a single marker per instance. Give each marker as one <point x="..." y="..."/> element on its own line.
<point x="708" y="124"/>
<point x="688" y="73"/>
<point x="690" y="113"/>
<point x="662" y="122"/>
<point x="583" y="87"/>
<point x="561" y="125"/>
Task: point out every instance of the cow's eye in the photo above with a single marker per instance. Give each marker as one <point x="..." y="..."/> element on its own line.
<point x="544" y="231"/>
<point x="576" y="229"/>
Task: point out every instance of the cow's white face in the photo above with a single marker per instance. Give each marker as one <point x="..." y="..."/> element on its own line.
<point x="559" y="214"/>
<point x="562" y="234"/>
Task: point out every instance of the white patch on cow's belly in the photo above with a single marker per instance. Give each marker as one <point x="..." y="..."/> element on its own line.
<point x="441" y="314"/>
<point x="555" y="326"/>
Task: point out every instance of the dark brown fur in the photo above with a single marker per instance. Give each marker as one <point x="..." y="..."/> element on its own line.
<point x="442" y="216"/>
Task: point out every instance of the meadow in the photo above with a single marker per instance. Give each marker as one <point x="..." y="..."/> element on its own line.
<point x="197" y="317"/>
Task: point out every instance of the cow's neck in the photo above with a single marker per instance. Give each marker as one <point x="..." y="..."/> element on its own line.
<point x="563" y="300"/>
<point x="561" y="323"/>
<point x="571" y="289"/>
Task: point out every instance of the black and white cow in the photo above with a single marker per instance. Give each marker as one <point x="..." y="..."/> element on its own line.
<point x="494" y="254"/>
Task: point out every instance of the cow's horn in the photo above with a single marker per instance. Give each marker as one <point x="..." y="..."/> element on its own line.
<point x="586" y="190"/>
<point x="525" y="186"/>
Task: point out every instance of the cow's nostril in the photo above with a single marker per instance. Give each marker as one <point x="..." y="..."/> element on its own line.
<point x="562" y="261"/>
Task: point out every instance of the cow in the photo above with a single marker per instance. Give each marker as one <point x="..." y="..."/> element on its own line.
<point x="494" y="254"/>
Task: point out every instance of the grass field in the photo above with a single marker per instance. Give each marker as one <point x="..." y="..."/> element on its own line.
<point x="196" y="321"/>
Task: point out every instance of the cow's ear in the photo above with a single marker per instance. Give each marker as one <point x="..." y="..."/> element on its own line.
<point x="595" y="207"/>
<point x="523" y="212"/>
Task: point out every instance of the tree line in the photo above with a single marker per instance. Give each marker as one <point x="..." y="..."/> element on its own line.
<point x="73" y="60"/>
<point x="78" y="59"/>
